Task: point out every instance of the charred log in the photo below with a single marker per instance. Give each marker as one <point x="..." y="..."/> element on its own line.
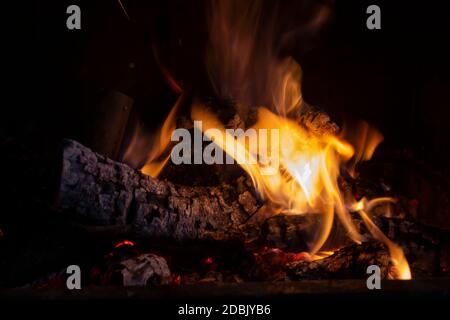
<point x="103" y="192"/>
<point x="348" y="263"/>
<point x="99" y="191"/>
<point x="425" y="247"/>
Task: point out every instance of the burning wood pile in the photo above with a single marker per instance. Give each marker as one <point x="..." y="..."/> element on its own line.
<point x="289" y="202"/>
<point x="109" y="198"/>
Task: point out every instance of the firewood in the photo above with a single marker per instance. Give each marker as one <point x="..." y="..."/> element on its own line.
<point x="104" y="192"/>
<point x="316" y="120"/>
<point x="99" y="191"/>
<point x="348" y="263"/>
<point x="145" y="269"/>
<point x="425" y="247"/>
<point x="288" y="231"/>
<point x="108" y="195"/>
<point x="308" y="116"/>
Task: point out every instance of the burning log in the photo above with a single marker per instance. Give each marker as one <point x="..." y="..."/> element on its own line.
<point x="348" y="263"/>
<point x="315" y="120"/>
<point x="310" y="117"/>
<point x="112" y="196"/>
<point x="102" y="192"/>
<point x="288" y="232"/>
<point x="426" y="247"/>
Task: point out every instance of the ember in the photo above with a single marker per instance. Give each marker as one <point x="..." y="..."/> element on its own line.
<point x="124" y="243"/>
<point x="208" y="260"/>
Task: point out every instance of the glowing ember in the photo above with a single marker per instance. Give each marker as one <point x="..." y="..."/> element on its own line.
<point x="177" y="280"/>
<point x="208" y="260"/>
<point x="124" y="243"/>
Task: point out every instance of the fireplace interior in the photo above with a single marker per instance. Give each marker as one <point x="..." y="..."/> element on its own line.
<point x="363" y="176"/>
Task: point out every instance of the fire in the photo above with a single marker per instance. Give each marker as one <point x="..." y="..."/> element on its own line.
<point x="308" y="257"/>
<point x="401" y="268"/>
<point x="154" y="164"/>
<point x="245" y="66"/>
<point x="157" y="157"/>
<point x="365" y="139"/>
<point x="306" y="181"/>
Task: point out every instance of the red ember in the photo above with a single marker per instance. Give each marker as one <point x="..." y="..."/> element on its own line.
<point x="124" y="243"/>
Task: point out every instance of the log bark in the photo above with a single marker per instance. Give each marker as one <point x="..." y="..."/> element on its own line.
<point x="348" y="263"/>
<point x="288" y="231"/>
<point x="106" y="194"/>
<point x="98" y="191"/>
<point x="316" y="120"/>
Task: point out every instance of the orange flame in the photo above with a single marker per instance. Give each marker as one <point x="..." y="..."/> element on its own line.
<point x="306" y="256"/>
<point x="365" y="139"/>
<point x="157" y="157"/>
<point x="309" y="163"/>
<point x="401" y="268"/>
<point x="154" y="166"/>
<point x="243" y="65"/>
<point x="306" y="180"/>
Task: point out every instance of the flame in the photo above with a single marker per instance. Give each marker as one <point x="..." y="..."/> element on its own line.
<point x="295" y="168"/>
<point x="366" y="139"/>
<point x="306" y="256"/>
<point x="154" y="166"/>
<point x="157" y="157"/>
<point x="306" y="179"/>
<point x="401" y="267"/>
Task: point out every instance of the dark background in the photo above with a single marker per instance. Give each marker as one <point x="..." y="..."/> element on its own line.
<point x="397" y="78"/>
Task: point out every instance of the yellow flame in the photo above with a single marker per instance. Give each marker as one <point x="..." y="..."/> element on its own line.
<point x="401" y="266"/>
<point x="306" y="180"/>
<point x="309" y="163"/>
<point x="320" y="255"/>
